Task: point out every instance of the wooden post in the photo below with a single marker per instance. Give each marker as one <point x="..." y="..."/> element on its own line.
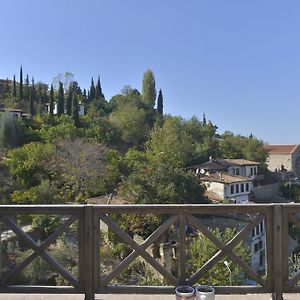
<point x="88" y="253"/>
<point x="278" y="255"/>
<point x="182" y="249"/>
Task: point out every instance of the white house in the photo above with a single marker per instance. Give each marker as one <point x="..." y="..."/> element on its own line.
<point x="258" y="247"/>
<point x="227" y="179"/>
<point x="81" y="107"/>
<point x="233" y="188"/>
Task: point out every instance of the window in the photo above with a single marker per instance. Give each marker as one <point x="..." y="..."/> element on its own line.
<point x="251" y="171"/>
<point x="255" y="171"/>
<point x="232" y="189"/>
<point x="242" y="188"/>
<point x="237" y="171"/>
<point x="237" y="188"/>
<point x="247" y="187"/>
<point x="260" y="244"/>
<point x="256" y="247"/>
<point x="253" y="232"/>
<point x="261" y="226"/>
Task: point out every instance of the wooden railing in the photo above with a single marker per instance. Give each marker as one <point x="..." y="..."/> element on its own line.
<point x="91" y="280"/>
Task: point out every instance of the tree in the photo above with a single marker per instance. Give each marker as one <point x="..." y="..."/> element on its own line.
<point x="66" y="79"/>
<point x="11" y="132"/>
<point x="33" y="90"/>
<point x="160" y="105"/>
<point x="130" y="122"/>
<point x="170" y="144"/>
<point x="98" y="90"/>
<point x="158" y="182"/>
<point x="60" y="100"/>
<point x="70" y="97"/>
<point x="14" y="91"/>
<point x="31" y="101"/>
<point x="27" y="88"/>
<point x="92" y="90"/>
<point x="28" y="164"/>
<point x="51" y="100"/>
<point x="201" y="249"/>
<point x="21" y="85"/>
<point x="149" y="91"/>
<point x="75" y="110"/>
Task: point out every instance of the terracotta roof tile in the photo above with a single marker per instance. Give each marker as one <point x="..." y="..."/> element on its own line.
<point x="224" y="178"/>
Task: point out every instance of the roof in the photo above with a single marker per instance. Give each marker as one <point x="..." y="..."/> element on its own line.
<point x="213" y="197"/>
<point x="241" y="162"/>
<point x="280" y="149"/>
<point x="223" y="164"/>
<point x="107" y="199"/>
<point x="224" y="178"/>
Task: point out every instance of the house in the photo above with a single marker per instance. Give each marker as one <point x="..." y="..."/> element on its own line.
<point x="258" y="248"/>
<point x="227" y="179"/>
<point x="81" y="109"/>
<point x="16" y="113"/>
<point x="241" y="167"/>
<point x="233" y="188"/>
<point x="283" y="158"/>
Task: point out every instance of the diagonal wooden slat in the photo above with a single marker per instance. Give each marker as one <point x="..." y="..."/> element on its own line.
<point x="12" y="275"/>
<point x="226" y="249"/>
<point x="122" y="234"/>
<point x="44" y="254"/>
<point x="134" y="254"/>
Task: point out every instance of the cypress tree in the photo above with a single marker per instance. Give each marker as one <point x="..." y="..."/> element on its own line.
<point x="21" y="85"/>
<point x="33" y="90"/>
<point x="26" y="90"/>
<point x="31" y="100"/>
<point x="160" y="103"/>
<point x="92" y="90"/>
<point x="98" y="92"/>
<point x="84" y="96"/>
<point x="60" y="100"/>
<point x="51" y="101"/>
<point x="75" y="110"/>
<point x="69" y="101"/>
<point x="14" y="87"/>
<point x="204" y="119"/>
<point x="149" y="91"/>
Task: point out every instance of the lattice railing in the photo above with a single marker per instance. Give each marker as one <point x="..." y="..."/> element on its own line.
<point x="93" y="223"/>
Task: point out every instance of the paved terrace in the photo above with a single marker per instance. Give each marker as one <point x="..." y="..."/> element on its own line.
<point x="135" y="297"/>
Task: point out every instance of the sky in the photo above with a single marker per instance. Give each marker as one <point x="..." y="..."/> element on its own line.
<point x="236" y="61"/>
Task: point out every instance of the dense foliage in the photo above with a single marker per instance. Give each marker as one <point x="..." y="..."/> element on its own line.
<point x="125" y="145"/>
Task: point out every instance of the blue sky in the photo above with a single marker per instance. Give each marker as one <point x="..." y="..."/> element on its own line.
<point x="237" y="61"/>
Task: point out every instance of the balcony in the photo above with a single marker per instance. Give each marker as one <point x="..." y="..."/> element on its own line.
<point x="167" y="245"/>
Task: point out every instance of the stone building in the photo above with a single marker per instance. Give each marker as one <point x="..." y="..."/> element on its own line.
<point x="283" y="157"/>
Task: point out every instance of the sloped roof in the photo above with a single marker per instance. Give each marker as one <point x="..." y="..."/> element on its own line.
<point x="213" y="197"/>
<point x="280" y="149"/>
<point x="223" y="164"/>
<point x="107" y="199"/>
<point x="241" y="162"/>
<point x="224" y="178"/>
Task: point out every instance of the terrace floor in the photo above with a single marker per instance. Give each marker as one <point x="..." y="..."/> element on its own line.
<point x="135" y="297"/>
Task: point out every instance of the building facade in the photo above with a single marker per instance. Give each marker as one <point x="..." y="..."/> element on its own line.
<point x="283" y="157"/>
